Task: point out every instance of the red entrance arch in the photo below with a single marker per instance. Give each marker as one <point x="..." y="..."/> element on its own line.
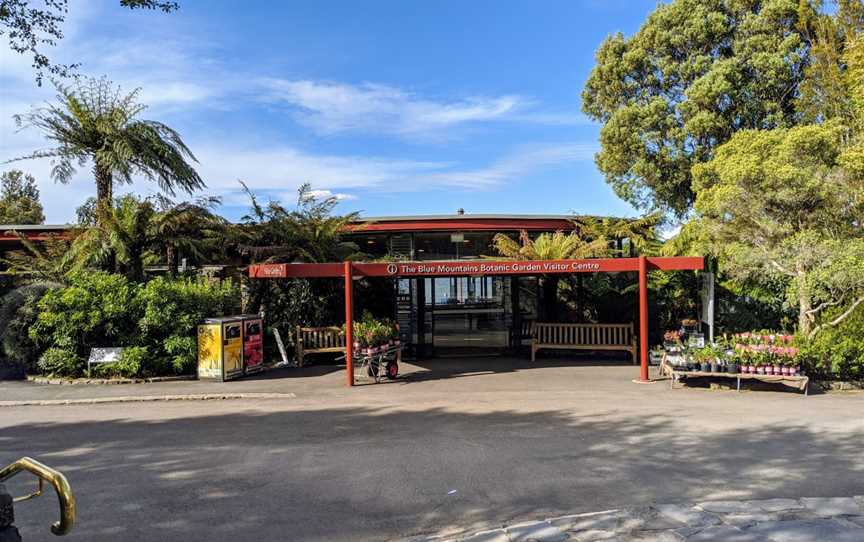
<point x="348" y="270"/>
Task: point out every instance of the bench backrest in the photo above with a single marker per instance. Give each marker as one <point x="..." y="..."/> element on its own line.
<point x="584" y="334"/>
<point x="313" y="338"/>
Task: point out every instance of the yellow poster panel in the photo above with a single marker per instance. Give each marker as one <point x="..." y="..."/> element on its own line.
<point x="232" y="349"/>
<point x="210" y="351"/>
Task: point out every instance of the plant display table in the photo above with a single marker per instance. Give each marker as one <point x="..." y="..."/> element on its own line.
<point x="800" y="382"/>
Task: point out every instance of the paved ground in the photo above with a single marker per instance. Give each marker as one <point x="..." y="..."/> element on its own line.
<point x="451" y="449"/>
<point x="837" y="519"/>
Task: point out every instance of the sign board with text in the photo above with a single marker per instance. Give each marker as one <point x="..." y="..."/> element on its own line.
<point x="471" y="267"/>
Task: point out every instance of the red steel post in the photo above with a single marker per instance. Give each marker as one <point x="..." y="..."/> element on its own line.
<point x="349" y="324"/>
<point x="643" y="319"/>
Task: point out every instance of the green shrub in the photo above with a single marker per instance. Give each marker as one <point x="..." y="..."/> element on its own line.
<point x="96" y="309"/>
<point x="172" y="310"/>
<point x="132" y="363"/>
<point x="182" y="353"/>
<point x="60" y="362"/>
<point x="18" y="311"/>
<point x="176" y="307"/>
<point x="156" y="322"/>
<point x="837" y="353"/>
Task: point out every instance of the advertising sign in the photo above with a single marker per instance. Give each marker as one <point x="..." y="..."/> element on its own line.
<point x="253" y="345"/>
<point x="232" y="348"/>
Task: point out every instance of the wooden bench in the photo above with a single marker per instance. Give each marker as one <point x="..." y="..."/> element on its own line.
<point x="583" y="337"/>
<point x="318" y="340"/>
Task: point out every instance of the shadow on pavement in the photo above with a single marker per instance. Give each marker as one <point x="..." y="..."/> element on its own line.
<point x="382" y="474"/>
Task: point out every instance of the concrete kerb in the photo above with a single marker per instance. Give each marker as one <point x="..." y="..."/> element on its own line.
<point x="147" y="398"/>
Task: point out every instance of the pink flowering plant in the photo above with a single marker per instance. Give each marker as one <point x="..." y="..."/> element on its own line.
<point x="766" y="348"/>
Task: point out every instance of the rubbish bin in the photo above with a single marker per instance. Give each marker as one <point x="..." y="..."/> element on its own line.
<point x="230" y="347"/>
<point x="220" y="348"/>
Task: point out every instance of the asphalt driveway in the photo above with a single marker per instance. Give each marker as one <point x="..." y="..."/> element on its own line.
<point x="461" y="445"/>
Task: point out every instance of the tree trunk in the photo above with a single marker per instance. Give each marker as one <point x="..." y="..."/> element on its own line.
<point x="171" y="260"/>
<point x="804" y="305"/>
<point x="104" y="202"/>
<point x="135" y="271"/>
<point x="104" y="190"/>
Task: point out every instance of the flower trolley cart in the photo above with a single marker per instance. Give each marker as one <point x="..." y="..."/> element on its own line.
<point x="378" y="363"/>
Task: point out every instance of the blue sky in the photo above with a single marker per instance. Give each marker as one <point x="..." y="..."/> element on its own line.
<point x="397" y="107"/>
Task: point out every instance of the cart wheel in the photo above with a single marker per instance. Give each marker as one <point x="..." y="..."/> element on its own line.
<point x="392" y="370"/>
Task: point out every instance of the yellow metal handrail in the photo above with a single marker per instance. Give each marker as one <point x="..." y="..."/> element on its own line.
<point x="57" y="479"/>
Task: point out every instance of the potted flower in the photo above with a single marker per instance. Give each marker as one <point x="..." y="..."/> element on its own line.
<point x="703" y="358"/>
<point x="672" y="341"/>
<point x="689" y="324"/>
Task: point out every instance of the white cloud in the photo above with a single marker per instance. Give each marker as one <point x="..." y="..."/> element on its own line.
<point x="330" y="108"/>
<point x="520" y="163"/>
<point x="280" y="171"/>
<point x="324" y="194"/>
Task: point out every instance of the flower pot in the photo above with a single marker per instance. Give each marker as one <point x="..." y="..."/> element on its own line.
<point x="760" y="370"/>
<point x="778" y="370"/>
<point x="796" y="371"/>
<point x="705" y="367"/>
<point x="785" y="371"/>
<point x="715" y="368"/>
<point x="732" y="368"/>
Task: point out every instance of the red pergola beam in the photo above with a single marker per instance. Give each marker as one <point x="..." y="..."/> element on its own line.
<point x="473" y="267"/>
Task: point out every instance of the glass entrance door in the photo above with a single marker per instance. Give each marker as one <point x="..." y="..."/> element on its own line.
<point x="468" y="314"/>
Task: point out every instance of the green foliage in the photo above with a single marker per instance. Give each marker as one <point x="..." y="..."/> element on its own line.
<point x="372" y="332"/>
<point x="136" y="231"/>
<point x="57" y="361"/>
<point x="132" y="360"/>
<point x="311" y="232"/>
<point x="47" y="260"/>
<point x="188" y="229"/>
<point x="18" y="313"/>
<point x="19" y="199"/>
<point x="181" y="353"/>
<point x="122" y="238"/>
<point x="550" y="246"/>
<point x="170" y="313"/>
<point x="156" y="322"/>
<point x="777" y="210"/>
<point x="94" y="121"/>
<point x="838" y="352"/>
<point x="176" y="307"/>
<point x="696" y="72"/>
<point x="96" y="309"/>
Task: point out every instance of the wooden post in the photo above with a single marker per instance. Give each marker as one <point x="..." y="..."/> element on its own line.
<point x="643" y="319"/>
<point x="349" y="324"/>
